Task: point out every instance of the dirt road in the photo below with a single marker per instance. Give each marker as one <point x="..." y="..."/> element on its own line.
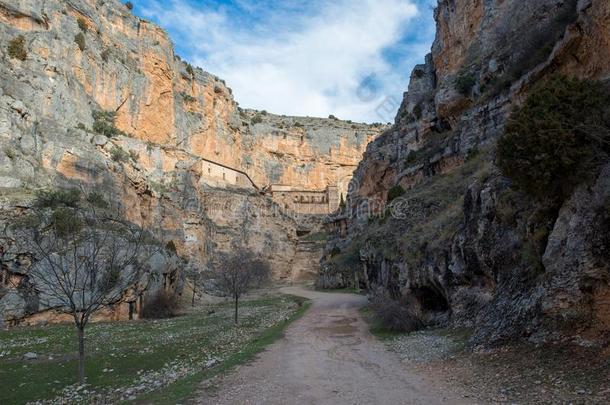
<point x="327" y="357"/>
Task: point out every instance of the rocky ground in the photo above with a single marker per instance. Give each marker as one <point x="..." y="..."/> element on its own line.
<point x="127" y="361"/>
<point x="516" y="374"/>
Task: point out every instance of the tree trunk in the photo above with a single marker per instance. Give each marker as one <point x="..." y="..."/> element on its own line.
<point x="236" y="306"/>
<point x="81" y="355"/>
<point x="193" y="301"/>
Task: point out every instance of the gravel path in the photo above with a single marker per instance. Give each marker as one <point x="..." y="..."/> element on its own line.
<point x="327" y="357"/>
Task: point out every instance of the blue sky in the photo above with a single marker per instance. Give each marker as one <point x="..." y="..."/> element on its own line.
<point x="349" y="58"/>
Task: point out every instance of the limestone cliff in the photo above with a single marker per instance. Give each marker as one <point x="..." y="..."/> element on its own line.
<point x="91" y="94"/>
<point x="458" y="241"/>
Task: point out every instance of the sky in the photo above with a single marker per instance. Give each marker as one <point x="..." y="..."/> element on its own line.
<point x="348" y="58"/>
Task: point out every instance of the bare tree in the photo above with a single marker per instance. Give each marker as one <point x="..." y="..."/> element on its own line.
<point x="236" y="273"/>
<point x="191" y="271"/>
<point x="84" y="255"/>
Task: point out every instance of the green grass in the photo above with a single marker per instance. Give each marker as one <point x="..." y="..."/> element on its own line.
<point x="134" y="348"/>
<point x="184" y="389"/>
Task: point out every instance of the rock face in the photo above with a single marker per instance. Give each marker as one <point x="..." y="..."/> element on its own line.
<point x="100" y="99"/>
<point x="456" y="238"/>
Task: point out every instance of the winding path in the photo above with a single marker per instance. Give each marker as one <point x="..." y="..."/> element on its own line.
<point x="327" y="357"/>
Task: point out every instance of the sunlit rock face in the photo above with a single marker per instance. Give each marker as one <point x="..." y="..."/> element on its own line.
<point x="192" y="161"/>
<point x="458" y="239"/>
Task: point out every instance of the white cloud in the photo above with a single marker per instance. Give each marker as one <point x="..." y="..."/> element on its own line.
<point x="294" y="62"/>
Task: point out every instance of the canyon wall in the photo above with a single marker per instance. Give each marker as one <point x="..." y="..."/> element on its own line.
<point x="95" y="96"/>
<point x="431" y="220"/>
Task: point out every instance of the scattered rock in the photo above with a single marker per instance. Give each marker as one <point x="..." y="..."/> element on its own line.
<point x="30" y="356"/>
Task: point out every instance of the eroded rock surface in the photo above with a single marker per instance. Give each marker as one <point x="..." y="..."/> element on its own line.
<point x="180" y="156"/>
<point x="460" y="241"/>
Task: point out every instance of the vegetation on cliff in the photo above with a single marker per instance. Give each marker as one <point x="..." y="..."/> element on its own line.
<point x="555" y="139"/>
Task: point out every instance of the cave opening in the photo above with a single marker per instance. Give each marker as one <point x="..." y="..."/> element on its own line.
<point x="431" y="299"/>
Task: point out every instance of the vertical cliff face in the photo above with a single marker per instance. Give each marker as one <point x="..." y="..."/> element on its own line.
<point x="92" y="95"/>
<point x="430" y="216"/>
<point x="128" y="66"/>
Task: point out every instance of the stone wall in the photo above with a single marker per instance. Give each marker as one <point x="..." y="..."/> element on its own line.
<point x="305" y="201"/>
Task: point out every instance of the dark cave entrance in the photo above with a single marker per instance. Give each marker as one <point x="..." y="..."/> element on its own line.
<point x="431" y="299"/>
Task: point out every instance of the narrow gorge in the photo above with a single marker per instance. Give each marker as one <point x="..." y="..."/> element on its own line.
<point x="101" y="100"/>
<point x="387" y="260"/>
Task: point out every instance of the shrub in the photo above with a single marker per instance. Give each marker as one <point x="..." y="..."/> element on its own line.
<point x="335" y="251"/>
<point x="82" y="24"/>
<point x="57" y="198"/>
<point x="103" y="124"/>
<point x="163" y="305"/>
<point x="258" y="118"/>
<point x="16" y="48"/>
<point x="395" y="192"/>
<point x="332" y="117"/>
<point x="129" y="5"/>
<point x="412" y="157"/>
<point x="105" y="55"/>
<point x="464" y="83"/>
<point x="171" y="247"/>
<point x="65" y="222"/>
<point x="189" y="69"/>
<point x="188" y="98"/>
<point x="396" y="315"/>
<point x="10" y="153"/>
<point x="80" y="41"/>
<point x="553" y="140"/>
<point x="119" y="155"/>
<point x="417" y="111"/>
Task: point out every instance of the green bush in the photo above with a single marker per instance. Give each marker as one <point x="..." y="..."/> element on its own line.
<point x="417" y="111"/>
<point x="10" y="153"/>
<point x="258" y="118"/>
<point x="80" y="41"/>
<point x="57" y="198"/>
<point x="171" y="247"/>
<point x="82" y="24"/>
<point x="190" y="70"/>
<point x="119" y="155"/>
<point x="188" y="98"/>
<point x="65" y="222"/>
<point x="335" y="251"/>
<point x="395" y="192"/>
<point x="554" y="139"/>
<point x="103" y="124"/>
<point x="16" y="48"/>
<point x="464" y="83"/>
<point x="129" y="5"/>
